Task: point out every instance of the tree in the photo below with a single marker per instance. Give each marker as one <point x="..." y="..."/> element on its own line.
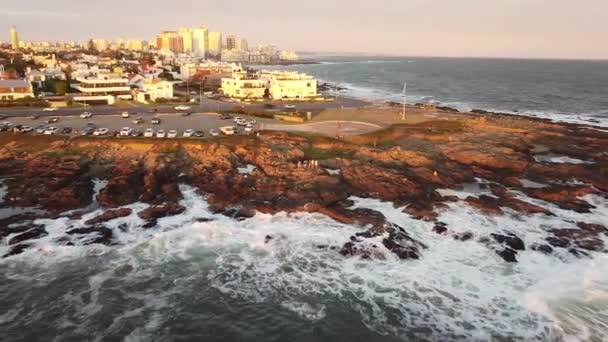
<point x="58" y="87"/>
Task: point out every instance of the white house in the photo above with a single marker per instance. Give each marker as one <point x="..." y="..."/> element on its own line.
<point x="15" y="89"/>
<point x="153" y="89"/>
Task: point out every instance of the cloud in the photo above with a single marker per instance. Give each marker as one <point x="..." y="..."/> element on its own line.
<point x="20" y="12"/>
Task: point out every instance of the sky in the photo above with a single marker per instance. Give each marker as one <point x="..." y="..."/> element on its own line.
<point x="451" y="28"/>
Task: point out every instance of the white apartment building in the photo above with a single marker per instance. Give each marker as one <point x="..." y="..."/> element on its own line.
<point x="243" y="86"/>
<point x="101" y="88"/>
<point x="200" y="41"/>
<point x="279" y="85"/>
<point x="215" y="44"/>
<point x="187" y="38"/>
<point x="290" y="85"/>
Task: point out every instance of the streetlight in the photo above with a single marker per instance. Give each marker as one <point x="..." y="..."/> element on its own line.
<point x="404" y="95"/>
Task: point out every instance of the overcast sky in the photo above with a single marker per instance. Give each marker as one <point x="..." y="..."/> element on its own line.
<point x="492" y="28"/>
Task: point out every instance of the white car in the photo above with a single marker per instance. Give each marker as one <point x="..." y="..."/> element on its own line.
<point x="248" y="128"/>
<point x="101" y="131"/>
<point x="227" y="130"/>
<point x="188" y="133"/>
<point x="172" y="134"/>
<point x="237" y="119"/>
<point x="126" y="131"/>
<point x="252" y="122"/>
<point x="125" y="114"/>
<point x="214" y="132"/>
<point x="86" y="115"/>
<point x="182" y="108"/>
<point x="51" y="131"/>
<point x="289" y="106"/>
<point x="149" y="133"/>
<point x="50" y="109"/>
<point x="27" y="129"/>
<point x="241" y="122"/>
<point x="160" y="133"/>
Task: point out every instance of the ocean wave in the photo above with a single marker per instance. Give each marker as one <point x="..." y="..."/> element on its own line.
<point x="288" y="264"/>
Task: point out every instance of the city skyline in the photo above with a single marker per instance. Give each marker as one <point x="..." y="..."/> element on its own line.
<point x="470" y="28"/>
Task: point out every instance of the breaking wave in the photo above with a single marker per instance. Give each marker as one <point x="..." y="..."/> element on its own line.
<point x="204" y="276"/>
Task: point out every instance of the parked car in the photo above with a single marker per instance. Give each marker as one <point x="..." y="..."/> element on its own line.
<point x="138" y="121"/>
<point x="225" y="117"/>
<point x="214" y="132"/>
<point x="289" y="106"/>
<point x="51" y="131"/>
<point x="248" y="128"/>
<point x="50" y="109"/>
<point x="87" y="131"/>
<point x="52" y="119"/>
<point x="252" y="122"/>
<point x="188" y="133"/>
<point x="101" y="131"/>
<point x="40" y="129"/>
<point x="237" y="119"/>
<point x="17" y="128"/>
<point x="269" y="105"/>
<point x="5" y="126"/>
<point x="172" y="134"/>
<point x="27" y="129"/>
<point x="182" y="107"/>
<point x="227" y="130"/>
<point x="136" y="133"/>
<point x="155" y="121"/>
<point x="199" y="134"/>
<point x="126" y="131"/>
<point x="86" y="115"/>
<point x="160" y="133"/>
<point x="125" y="115"/>
<point x="66" y="130"/>
<point x="149" y="133"/>
<point x="241" y="122"/>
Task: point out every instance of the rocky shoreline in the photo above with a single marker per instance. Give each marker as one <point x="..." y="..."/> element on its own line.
<point x="408" y="165"/>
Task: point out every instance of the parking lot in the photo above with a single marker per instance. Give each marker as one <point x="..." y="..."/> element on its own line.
<point x="114" y="123"/>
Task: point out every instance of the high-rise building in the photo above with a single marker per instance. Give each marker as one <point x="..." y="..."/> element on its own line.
<point x="14" y="38"/>
<point x="187" y="38"/>
<point x="230" y="42"/>
<point x="100" y="44"/>
<point x="200" y="41"/>
<point x="170" y="41"/>
<point x="242" y="44"/>
<point x="215" y="44"/>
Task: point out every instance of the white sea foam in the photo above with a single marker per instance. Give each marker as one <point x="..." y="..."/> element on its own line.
<point x="457" y="290"/>
<point x="557" y="159"/>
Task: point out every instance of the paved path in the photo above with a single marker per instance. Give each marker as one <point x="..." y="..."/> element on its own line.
<point x="327" y="127"/>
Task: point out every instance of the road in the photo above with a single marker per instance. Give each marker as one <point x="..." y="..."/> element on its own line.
<point x="208" y="105"/>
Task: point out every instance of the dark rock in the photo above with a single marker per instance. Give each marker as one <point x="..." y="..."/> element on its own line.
<point x="98" y="235"/>
<point x="109" y="215"/>
<point x="17" y="249"/>
<point x="558" y="242"/>
<point x="34" y="233"/>
<point x="158" y="211"/>
<point x="542" y="248"/>
<point x="510" y="240"/>
<point x="508" y="254"/>
<point x="440" y="228"/>
<point x="463" y="236"/>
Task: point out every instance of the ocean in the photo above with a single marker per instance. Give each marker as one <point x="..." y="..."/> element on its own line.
<point x="201" y="276"/>
<point x="562" y="90"/>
